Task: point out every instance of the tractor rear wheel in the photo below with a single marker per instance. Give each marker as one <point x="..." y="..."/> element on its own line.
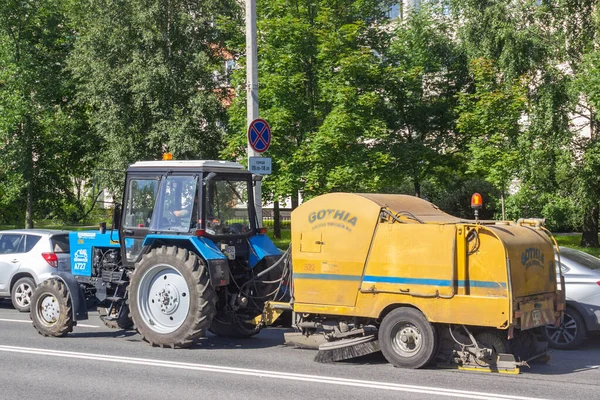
<point x="171" y="299"/>
<point x="51" y="310"/>
<point x="232" y="325"/>
<point x="407" y="339"/>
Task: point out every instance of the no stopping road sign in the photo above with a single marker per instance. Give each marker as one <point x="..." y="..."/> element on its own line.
<point x="259" y="135"/>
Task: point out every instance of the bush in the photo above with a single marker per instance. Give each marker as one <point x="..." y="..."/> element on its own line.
<point x="561" y="212"/>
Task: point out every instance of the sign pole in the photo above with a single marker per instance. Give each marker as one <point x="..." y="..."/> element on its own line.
<point x="252" y="93"/>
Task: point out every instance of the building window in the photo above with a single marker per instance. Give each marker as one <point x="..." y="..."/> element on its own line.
<point x="395" y="11"/>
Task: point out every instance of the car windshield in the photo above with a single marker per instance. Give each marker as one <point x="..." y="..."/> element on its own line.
<point x="227" y="211"/>
<point x="581" y="258"/>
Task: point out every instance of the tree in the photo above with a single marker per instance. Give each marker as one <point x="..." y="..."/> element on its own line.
<point x="490" y="116"/>
<point x="40" y="126"/>
<point x="424" y="72"/>
<point x="533" y="44"/>
<point x="320" y="77"/>
<point x="150" y="73"/>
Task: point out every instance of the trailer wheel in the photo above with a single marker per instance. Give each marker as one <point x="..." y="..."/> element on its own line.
<point x="231" y="325"/>
<point x="51" y="311"/>
<point x="170" y="297"/>
<point x="407" y="339"/>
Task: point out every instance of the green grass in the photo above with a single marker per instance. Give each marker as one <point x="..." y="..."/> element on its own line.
<point x="574" y="241"/>
<point x="284" y="242"/>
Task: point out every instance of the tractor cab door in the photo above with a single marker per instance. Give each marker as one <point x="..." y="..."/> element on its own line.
<point x="176" y="210"/>
<point x="140" y="198"/>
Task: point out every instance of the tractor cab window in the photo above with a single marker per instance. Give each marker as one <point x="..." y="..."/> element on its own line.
<point x="140" y="202"/>
<point x="227" y="211"/>
<point x="177" y="207"/>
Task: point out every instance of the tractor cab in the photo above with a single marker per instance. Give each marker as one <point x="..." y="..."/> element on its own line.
<point x="211" y="199"/>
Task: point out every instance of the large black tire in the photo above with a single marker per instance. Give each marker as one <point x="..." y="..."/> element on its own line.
<point x="21" y="292"/>
<point x="407" y="339"/>
<point x="123" y="321"/>
<point x="569" y="335"/>
<point x="524" y="345"/>
<point x="231" y="326"/>
<point x="51" y="311"/>
<point x="171" y="300"/>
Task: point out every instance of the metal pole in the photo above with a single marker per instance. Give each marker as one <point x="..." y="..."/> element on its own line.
<point x="252" y="91"/>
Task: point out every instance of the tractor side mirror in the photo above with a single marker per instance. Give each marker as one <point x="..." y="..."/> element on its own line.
<point x="116" y="220"/>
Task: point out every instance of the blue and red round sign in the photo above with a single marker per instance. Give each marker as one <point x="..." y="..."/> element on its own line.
<point x="259" y="135"/>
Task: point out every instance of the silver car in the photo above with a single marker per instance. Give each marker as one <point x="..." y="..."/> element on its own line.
<point x="27" y="257"/>
<point x="582" y="289"/>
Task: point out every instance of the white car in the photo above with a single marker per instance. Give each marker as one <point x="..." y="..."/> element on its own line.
<point x="28" y="257"/>
<point x="582" y="287"/>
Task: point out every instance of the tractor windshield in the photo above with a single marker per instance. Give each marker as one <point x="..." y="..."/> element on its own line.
<point x="227" y="207"/>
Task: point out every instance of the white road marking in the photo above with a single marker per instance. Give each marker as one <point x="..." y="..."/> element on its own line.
<point x="465" y="394"/>
<point x="23" y="320"/>
<point x="587" y="368"/>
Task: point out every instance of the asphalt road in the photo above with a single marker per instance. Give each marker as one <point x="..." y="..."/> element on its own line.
<point x="96" y="362"/>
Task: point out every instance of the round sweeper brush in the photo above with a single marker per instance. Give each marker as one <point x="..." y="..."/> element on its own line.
<point x="344" y="349"/>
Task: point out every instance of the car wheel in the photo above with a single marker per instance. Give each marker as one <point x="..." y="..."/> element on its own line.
<point x="569" y="335"/>
<point x="21" y="294"/>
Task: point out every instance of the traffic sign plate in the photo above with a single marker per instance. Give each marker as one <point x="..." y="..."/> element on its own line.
<point x="259" y="165"/>
<point x="259" y="135"/>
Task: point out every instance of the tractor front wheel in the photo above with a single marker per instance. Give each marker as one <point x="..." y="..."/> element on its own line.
<point x="51" y="311"/>
<point x="170" y="297"/>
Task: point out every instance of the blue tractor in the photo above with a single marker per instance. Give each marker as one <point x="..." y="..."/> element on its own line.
<point x="186" y="254"/>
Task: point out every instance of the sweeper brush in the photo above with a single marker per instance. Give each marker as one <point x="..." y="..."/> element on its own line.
<point x="345" y="349"/>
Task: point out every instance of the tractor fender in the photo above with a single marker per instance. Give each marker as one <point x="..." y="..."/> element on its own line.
<point x="218" y="265"/>
<point x="262" y="247"/>
<point x="78" y="301"/>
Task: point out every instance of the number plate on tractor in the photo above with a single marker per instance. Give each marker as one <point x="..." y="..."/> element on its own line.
<point x="230" y="252"/>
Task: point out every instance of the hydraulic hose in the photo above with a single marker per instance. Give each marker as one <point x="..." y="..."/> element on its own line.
<point x="262" y="273"/>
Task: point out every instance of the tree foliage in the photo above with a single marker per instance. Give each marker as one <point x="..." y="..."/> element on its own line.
<point x="150" y="74"/>
<point x="497" y="97"/>
<point x="41" y="128"/>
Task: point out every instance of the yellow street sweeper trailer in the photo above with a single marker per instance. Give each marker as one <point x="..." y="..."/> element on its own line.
<point x="394" y="272"/>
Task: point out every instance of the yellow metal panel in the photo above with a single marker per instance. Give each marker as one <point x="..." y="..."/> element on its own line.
<point x="486" y="273"/>
<point x="532" y="259"/>
<point x="310" y="242"/>
<point x="467" y="310"/>
<point x="344" y="223"/>
<point x="412" y="258"/>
